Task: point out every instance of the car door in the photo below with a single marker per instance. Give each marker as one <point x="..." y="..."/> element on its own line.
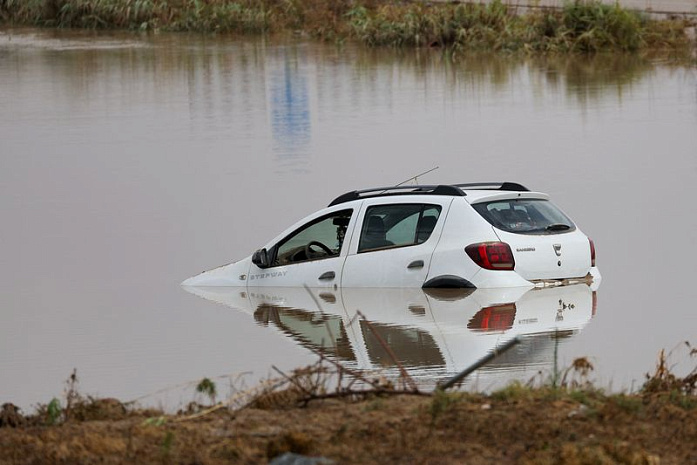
<point x="393" y="242"/>
<point x="311" y="255"/>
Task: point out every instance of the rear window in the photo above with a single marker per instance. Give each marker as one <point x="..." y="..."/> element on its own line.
<point x="525" y="216"/>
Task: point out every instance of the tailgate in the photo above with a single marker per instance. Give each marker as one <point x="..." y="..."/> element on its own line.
<point x="551" y="256"/>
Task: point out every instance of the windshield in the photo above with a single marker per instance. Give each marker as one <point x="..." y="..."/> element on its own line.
<point x="525" y="216"/>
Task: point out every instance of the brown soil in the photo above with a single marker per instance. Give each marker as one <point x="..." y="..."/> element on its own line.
<point x="516" y="425"/>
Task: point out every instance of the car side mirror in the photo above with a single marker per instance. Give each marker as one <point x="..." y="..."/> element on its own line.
<point x="261" y="258"/>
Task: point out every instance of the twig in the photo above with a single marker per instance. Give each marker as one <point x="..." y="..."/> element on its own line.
<point x="291" y="380"/>
<point x="482" y="361"/>
<point x="367" y="392"/>
<point x="321" y="311"/>
<point x="275" y="384"/>
<point x="188" y="383"/>
<point x="355" y="374"/>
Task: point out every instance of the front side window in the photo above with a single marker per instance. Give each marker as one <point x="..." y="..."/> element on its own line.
<point x="387" y="226"/>
<point x="322" y="238"/>
<point x="525" y="216"/>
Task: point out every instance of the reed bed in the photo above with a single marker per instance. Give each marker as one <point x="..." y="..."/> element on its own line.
<point x="580" y="26"/>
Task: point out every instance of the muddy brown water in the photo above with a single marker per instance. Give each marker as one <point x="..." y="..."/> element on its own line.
<point x="129" y="163"/>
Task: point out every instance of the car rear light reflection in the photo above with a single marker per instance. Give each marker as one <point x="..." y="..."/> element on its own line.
<point x="496" y="318"/>
<point x="592" y="251"/>
<point x="491" y="255"/>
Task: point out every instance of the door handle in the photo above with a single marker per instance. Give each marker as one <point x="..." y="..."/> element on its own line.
<point x="327" y="276"/>
<point x="416" y="264"/>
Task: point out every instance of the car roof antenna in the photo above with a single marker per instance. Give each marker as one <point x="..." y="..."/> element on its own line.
<point x="416" y="178"/>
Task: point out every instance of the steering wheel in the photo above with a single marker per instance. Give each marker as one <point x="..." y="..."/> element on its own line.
<point x="309" y="253"/>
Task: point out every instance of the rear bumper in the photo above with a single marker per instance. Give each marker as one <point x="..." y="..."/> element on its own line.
<point x="593" y="279"/>
<point x="486" y="279"/>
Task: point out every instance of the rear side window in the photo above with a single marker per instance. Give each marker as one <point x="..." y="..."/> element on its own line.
<point x="387" y="226"/>
<point x="525" y="216"/>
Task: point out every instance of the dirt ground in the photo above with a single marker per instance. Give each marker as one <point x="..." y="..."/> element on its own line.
<point x="514" y="426"/>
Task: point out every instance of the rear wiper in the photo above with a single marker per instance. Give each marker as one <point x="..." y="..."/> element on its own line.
<point x="557" y="227"/>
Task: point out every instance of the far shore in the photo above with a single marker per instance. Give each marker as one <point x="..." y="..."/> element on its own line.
<point x="551" y="27"/>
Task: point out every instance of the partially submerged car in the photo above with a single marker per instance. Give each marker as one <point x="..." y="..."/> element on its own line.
<point x="479" y="235"/>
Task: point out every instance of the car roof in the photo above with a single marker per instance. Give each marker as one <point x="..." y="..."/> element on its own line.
<point x="478" y="190"/>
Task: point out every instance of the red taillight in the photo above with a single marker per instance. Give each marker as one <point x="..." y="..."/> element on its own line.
<point x="491" y="255"/>
<point x="592" y="251"/>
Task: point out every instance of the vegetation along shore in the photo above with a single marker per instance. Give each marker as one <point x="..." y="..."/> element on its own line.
<point x="334" y="415"/>
<point x="580" y="26"/>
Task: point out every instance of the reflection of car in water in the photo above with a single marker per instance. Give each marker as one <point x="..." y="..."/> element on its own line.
<point x="445" y="236"/>
<point x="430" y="332"/>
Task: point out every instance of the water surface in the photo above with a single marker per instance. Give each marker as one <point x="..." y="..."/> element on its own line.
<point x="129" y="163"/>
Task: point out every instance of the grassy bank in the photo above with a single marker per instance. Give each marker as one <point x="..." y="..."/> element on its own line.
<point x="583" y="27"/>
<point x="565" y="420"/>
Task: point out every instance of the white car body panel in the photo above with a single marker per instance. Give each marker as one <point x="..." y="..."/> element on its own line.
<point x="465" y="226"/>
<point x="233" y="274"/>
<point x="315" y="273"/>
<point x="393" y="267"/>
<point x="536" y="256"/>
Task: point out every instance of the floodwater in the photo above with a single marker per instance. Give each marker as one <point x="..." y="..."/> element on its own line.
<point x="129" y="163"/>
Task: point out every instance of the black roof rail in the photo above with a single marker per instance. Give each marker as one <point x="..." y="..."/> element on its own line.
<point x="501" y="186"/>
<point x="440" y="189"/>
<point x="455" y="190"/>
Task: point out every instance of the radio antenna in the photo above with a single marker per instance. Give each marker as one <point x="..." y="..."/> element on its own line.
<point x="416" y="178"/>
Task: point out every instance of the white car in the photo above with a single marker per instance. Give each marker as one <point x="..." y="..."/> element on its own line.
<point x="481" y="235"/>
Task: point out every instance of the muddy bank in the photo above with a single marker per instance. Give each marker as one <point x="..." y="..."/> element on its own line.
<point x="516" y="425"/>
<point x="378" y="422"/>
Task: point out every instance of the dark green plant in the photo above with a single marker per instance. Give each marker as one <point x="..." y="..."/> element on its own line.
<point x="207" y="388"/>
<point x="592" y="26"/>
<point x="53" y="411"/>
